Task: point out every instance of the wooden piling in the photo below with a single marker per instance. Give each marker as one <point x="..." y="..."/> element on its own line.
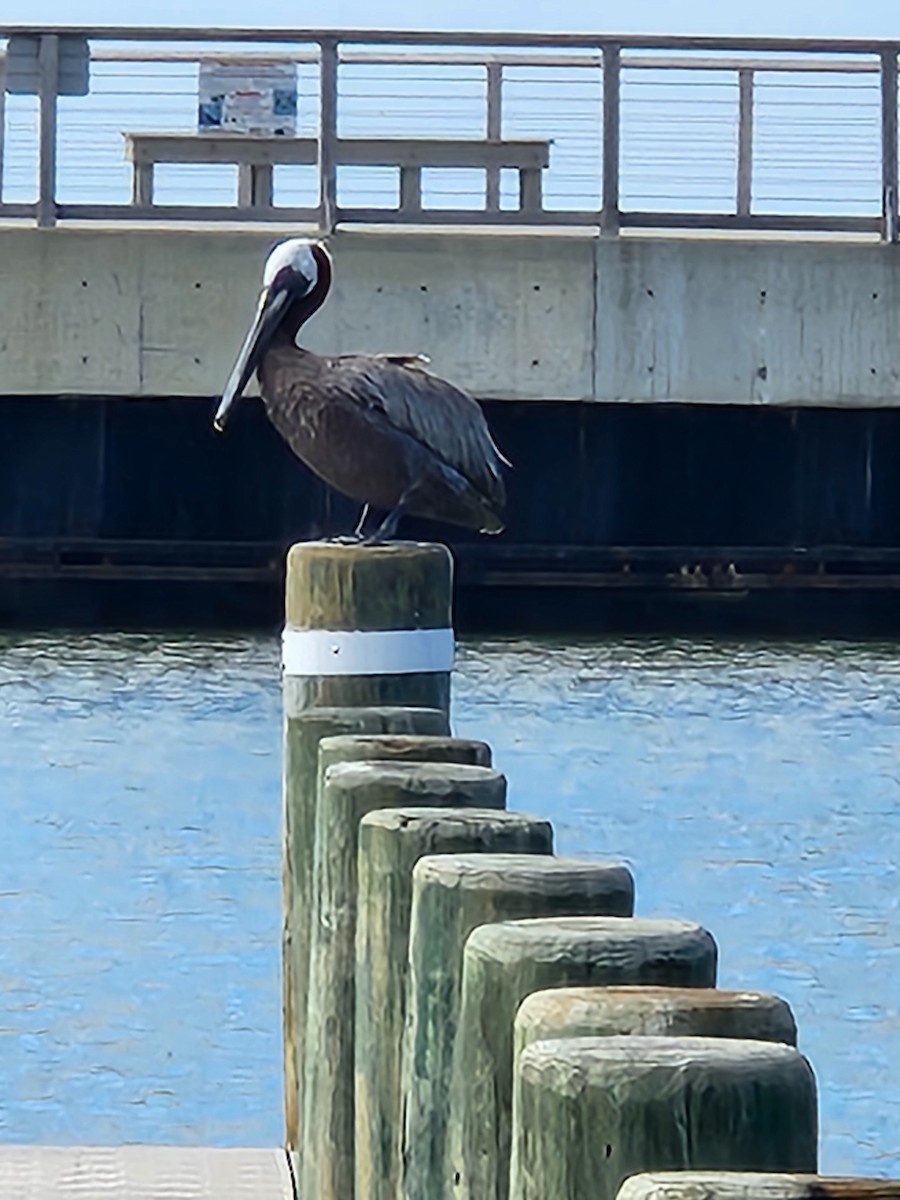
<point x="576" y="1012"/>
<point x="402" y="748"/>
<point x="596" y="1110"/>
<point x="399" y="748"/>
<point x="504" y="963"/>
<point x="652" y="1011"/>
<point x="365" y="627"/>
<point x="368" y="625"/>
<point x="755" y="1185"/>
<point x="451" y="896"/>
<point x="391" y="841"/>
<point x="349" y="791"/>
<point x="302" y="735"/>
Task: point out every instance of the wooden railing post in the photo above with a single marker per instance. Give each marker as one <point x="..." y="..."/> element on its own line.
<point x="745" y="142"/>
<point x="328" y="93"/>
<point x="609" y="218"/>
<point x="48" y="84"/>
<point x="891" y="227"/>
<point x="494" y="131"/>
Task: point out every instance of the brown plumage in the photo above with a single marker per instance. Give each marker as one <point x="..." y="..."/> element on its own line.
<point x="381" y="429"/>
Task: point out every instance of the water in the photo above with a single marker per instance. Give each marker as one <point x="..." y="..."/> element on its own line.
<point x="752" y="787"/>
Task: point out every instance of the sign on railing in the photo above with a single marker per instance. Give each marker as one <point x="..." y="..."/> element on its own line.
<point x="248" y="97"/>
<point x="23" y="70"/>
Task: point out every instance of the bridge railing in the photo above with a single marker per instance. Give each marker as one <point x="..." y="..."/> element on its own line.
<point x="612" y="133"/>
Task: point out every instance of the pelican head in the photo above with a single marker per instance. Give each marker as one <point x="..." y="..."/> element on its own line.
<point x="296" y="270"/>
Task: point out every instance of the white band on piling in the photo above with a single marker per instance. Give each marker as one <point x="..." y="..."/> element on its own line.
<point x="312" y="652"/>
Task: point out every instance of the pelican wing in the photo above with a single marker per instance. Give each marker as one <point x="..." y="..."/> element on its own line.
<point x="431" y="410"/>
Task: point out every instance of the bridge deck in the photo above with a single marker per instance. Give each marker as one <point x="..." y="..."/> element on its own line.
<point x="144" y="1173"/>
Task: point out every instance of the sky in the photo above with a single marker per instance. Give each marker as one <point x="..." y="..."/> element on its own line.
<point x="779" y="18"/>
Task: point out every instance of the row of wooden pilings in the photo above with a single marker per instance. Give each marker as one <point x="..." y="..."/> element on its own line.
<point x="466" y="1015"/>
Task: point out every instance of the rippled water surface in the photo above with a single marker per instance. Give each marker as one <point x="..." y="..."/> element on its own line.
<point x="752" y="787"/>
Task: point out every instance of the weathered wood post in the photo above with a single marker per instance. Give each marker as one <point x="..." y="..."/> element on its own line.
<point x="391" y="841"/>
<point x="503" y="964"/>
<point x="365" y="627"/>
<point x="576" y="1012"/>
<point x="451" y="896"/>
<point x="368" y="625"/>
<point x="348" y="792"/>
<point x="566" y="1012"/>
<point x="302" y="736"/>
<point x="753" y="1185"/>
<point x="402" y="748"/>
<point x="597" y="1110"/>
<point x="414" y="748"/>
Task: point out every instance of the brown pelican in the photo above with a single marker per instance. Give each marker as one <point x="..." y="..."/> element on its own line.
<point x="379" y="428"/>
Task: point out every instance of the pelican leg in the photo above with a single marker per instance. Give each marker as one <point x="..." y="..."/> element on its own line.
<point x="386" y="529"/>
<point x="388" y="526"/>
<point x="360" y="524"/>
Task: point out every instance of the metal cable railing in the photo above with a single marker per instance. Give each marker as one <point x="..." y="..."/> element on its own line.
<point x="615" y="133"/>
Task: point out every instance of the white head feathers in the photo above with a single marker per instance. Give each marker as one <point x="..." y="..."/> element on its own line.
<point x="297" y="254"/>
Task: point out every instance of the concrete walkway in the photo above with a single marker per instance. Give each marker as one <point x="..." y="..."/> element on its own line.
<point x="143" y="1173"/>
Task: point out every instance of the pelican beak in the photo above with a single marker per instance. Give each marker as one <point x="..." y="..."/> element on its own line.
<point x="269" y="314"/>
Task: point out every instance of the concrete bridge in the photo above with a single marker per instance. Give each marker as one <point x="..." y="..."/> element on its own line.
<point x="700" y="405"/>
<point x="512" y="315"/>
